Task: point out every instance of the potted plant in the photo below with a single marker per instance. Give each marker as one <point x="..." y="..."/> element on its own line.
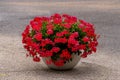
<point x="60" y="40"/>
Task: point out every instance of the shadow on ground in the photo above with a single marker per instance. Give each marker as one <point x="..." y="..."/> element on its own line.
<point x="82" y="70"/>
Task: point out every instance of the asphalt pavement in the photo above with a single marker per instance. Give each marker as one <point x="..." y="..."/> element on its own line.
<point x="16" y="14"/>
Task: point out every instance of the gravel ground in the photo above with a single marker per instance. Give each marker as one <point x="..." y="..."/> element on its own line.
<point x="103" y="65"/>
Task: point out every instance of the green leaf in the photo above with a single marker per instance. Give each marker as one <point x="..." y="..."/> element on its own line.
<point x="67" y="35"/>
<point x="34" y="40"/>
<point x="32" y="33"/>
<point x="55" y="57"/>
<point x="48" y="46"/>
<point x="82" y="34"/>
<point x="51" y="36"/>
<point x="58" y="28"/>
<point x="43" y="30"/>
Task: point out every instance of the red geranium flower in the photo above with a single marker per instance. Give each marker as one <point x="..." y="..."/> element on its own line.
<point x="67" y="25"/>
<point x="49" y="62"/>
<point x="57" y="16"/>
<point x="49" y="31"/>
<point x="55" y="49"/>
<point x="86" y="39"/>
<point x="65" y="54"/>
<point x="36" y="59"/>
<point x="84" y="55"/>
<point x="50" y="26"/>
<point x="26" y="31"/>
<point x="38" y="36"/>
<point x="58" y="34"/>
<point x="60" y="40"/>
<point x="46" y="54"/>
<point x="57" y="21"/>
<point x="59" y="63"/>
<point x="36" y="25"/>
<point x="58" y="37"/>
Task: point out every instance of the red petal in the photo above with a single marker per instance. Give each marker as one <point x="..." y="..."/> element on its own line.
<point x="36" y="59"/>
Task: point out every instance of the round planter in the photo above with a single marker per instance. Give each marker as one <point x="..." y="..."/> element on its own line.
<point x="67" y="66"/>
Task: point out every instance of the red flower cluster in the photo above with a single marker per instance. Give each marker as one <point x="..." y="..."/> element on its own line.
<point x="58" y="37"/>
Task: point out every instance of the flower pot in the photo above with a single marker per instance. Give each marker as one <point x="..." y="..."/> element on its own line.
<point x="67" y="66"/>
<point x="55" y="38"/>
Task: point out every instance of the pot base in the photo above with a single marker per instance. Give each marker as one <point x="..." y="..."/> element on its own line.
<point x="67" y="66"/>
